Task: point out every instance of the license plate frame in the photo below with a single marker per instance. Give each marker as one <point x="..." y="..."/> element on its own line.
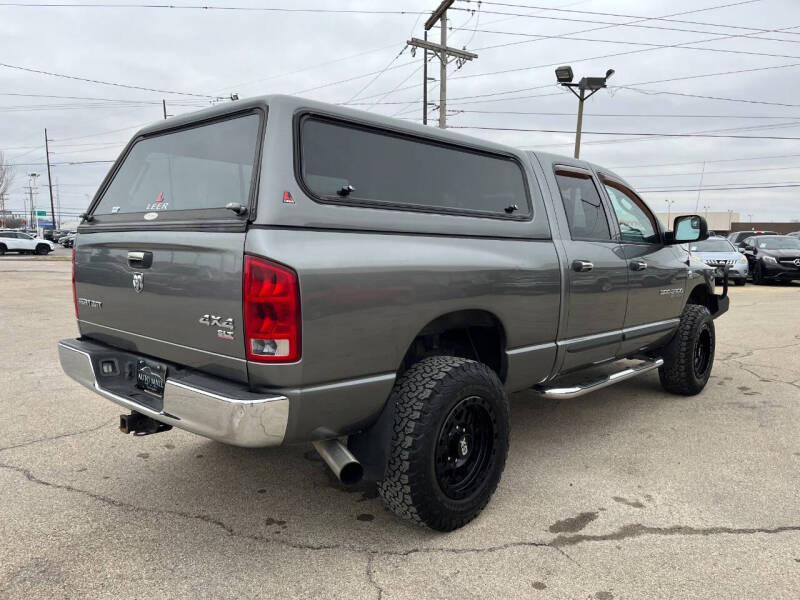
<point x="151" y="377"/>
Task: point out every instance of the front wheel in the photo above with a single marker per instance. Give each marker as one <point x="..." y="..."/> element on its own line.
<point x="449" y="444"/>
<point x="739" y="282"/>
<point x="688" y="358"/>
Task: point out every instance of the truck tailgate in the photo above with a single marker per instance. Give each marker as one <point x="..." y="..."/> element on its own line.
<point x="174" y="295"/>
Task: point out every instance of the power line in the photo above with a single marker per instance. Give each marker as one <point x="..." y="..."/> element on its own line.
<point x="94" y="98"/>
<point x="354" y="78"/>
<point x="687" y="95"/>
<point x="648" y="134"/>
<point x="543" y="36"/>
<point x="705" y="189"/>
<point x="209" y="7"/>
<point x="693" y="173"/>
<point x="697" y="162"/>
<point x="100" y="82"/>
<point x="680" y="45"/>
<point x="634" y="24"/>
<point x="720" y="185"/>
<point x="608" y="14"/>
<point x="378" y="74"/>
<point x="309" y="68"/>
<point x="630" y="86"/>
<point x="642" y="20"/>
<point x="619" y="115"/>
<point x="65" y="163"/>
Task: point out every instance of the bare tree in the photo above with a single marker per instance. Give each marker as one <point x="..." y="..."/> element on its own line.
<point x="6" y="177"/>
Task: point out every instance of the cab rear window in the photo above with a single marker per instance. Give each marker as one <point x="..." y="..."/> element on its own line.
<point x="203" y="167"/>
<point x="353" y="165"/>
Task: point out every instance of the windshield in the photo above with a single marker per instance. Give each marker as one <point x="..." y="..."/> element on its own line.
<point x="198" y="168"/>
<point x="712" y="246"/>
<point x="778" y="243"/>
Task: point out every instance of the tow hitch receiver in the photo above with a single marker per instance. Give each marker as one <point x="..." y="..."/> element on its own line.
<point x="139" y="424"/>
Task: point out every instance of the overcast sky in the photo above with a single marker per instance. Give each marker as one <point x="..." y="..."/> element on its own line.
<point x="341" y="57"/>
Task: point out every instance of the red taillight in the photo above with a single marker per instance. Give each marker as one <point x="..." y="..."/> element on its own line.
<point x="74" y="291"/>
<point x="271" y="303"/>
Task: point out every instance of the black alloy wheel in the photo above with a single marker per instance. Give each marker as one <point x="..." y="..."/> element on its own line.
<point x="702" y="352"/>
<point x="464" y="449"/>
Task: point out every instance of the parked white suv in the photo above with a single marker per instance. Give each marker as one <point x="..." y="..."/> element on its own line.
<point x="17" y="241"/>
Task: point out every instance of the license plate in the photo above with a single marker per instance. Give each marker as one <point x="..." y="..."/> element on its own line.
<point x="150" y="377"/>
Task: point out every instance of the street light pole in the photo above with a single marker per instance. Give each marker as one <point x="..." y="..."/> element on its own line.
<point x="33" y="192"/>
<point x="669" y="212"/>
<point x="564" y="76"/>
<point x="579" y="127"/>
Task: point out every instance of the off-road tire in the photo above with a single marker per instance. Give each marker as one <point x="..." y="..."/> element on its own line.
<point x="679" y="373"/>
<point x="42" y="249"/>
<point x="424" y="398"/>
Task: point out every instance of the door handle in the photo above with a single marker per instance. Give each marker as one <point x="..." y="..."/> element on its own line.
<point x="638" y="265"/>
<point x="582" y="266"/>
<point x="141" y="260"/>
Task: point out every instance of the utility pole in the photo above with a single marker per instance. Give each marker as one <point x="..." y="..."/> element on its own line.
<point x="700" y="187"/>
<point x="443" y="69"/>
<point x="49" y="178"/>
<point x="425" y="83"/>
<point x="444" y="53"/>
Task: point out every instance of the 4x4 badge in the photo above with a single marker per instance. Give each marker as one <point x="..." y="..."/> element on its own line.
<point x="138" y="282"/>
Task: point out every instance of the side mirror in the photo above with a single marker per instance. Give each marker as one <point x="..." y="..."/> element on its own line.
<point x="689" y="228"/>
<point x="740" y="249"/>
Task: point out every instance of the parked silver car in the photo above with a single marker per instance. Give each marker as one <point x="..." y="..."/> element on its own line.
<point x="720" y="253"/>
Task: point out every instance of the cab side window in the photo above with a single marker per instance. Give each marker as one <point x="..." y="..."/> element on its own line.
<point x="637" y="224"/>
<point x="585" y="214"/>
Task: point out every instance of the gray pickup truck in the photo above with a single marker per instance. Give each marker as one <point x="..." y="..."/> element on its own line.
<point x="277" y="270"/>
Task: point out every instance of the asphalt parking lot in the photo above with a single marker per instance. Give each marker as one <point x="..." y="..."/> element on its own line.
<point x="626" y="493"/>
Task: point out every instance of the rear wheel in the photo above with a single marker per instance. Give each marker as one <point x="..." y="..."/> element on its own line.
<point x="42" y="249"/>
<point x="449" y="444"/>
<point x="2" y="249"/>
<point x="689" y="357"/>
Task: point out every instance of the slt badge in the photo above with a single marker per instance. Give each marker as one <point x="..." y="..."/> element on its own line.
<point x="226" y="325"/>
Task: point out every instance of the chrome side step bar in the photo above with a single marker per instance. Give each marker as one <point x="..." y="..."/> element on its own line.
<point x="598" y="384"/>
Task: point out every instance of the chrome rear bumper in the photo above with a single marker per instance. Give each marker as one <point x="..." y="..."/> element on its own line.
<point x="240" y="419"/>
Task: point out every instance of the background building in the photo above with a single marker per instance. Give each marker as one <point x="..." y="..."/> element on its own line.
<point x="719" y="221"/>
